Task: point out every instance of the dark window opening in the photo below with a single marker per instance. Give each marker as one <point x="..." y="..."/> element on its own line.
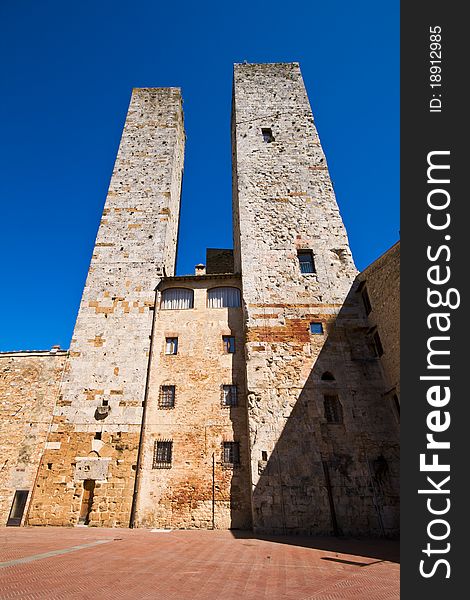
<point x="231" y="453"/>
<point x="171" y="345"/>
<point x="98" y="435"/>
<point x="104" y="403"/>
<point x="316" y="328"/>
<point x="377" y="344"/>
<point x="306" y="262"/>
<point x="327" y="376"/>
<point x="229" y="395"/>
<point x="167" y="396"/>
<point x="396" y="405"/>
<point x="17" y="508"/>
<point x="229" y="344"/>
<point x="333" y="409"/>
<point x="366" y="301"/>
<point x="162" y="454"/>
<point x="264" y="455"/>
<point x="49" y="466"/>
<point x="267" y="135"/>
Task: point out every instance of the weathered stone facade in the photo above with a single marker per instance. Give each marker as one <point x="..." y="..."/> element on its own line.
<point x="198" y="481"/>
<point x="104" y="386"/>
<point x="29" y="387"/>
<point x="251" y="394"/>
<point x="308" y="474"/>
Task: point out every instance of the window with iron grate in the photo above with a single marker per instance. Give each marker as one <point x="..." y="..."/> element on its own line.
<point x="167" y="396"/>
<point x="162" y="454"/>
<point x="229" y="395"/>
<point x="231" y="454"/>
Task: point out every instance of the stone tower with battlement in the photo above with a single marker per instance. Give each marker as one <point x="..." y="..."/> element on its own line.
<point x="97" y="420"/>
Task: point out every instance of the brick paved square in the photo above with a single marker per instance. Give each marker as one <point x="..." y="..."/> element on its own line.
<point x="91" y="563"/>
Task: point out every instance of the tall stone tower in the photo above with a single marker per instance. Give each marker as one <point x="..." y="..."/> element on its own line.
<point x="320" y="441"/>
<point x="88" y="469"/>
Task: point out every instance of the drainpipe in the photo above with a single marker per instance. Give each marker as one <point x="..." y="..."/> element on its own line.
<point x="142" y="433"/>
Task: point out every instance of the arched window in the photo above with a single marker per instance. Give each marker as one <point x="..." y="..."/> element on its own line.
<point x="327" y="376"/>
<point x="223" y="297"/>
<point x="177" y="299"/>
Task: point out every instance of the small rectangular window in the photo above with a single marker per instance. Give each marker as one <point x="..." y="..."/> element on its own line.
<point x="267" y="135"/>
<point x="229" y="344"/>
<point x="167" y="396"/>
<point x="98" y="435"/>
<point x="171" y="345"/>
<point x="366" y="301"/>
<point x="306" y="262"/>
<point x="333" y="409"/>
<point x="377" y="344"/>
<point x="162" y="454"/>
<point x="316" y="328"/>
<point x="231" y="453"/>
<point x="229" y="395"/>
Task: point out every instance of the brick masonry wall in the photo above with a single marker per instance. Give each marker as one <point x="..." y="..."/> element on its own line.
<point x="29" y="388"/>
<point x="181" y="496"/>
<point x="135" y="246"/>
<point x="318" y="477"/>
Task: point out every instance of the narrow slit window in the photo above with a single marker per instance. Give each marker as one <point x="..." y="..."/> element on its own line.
<point x="229" y="344"/>
<point x="333" y="409"/>
<point x="162" y="454"/>
<point x="316" y="328"/>
<point x="171" y="345"/>
<point x="231" y="453"/>
<point x="267" y="133"/>
<point x="366" y="301"/>
<point x="167" y="396"/>
<point x="306" y="262"/>
<point x="377" y="344"/>
<point x="229" y="395"/>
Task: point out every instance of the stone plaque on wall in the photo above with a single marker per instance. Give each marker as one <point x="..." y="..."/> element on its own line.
<point x="91" y="468"/>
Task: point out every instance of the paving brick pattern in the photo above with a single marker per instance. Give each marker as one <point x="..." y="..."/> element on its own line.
<point x="193" y="565"/>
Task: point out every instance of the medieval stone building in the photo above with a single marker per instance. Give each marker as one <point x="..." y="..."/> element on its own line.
<point x="261" y="392"/>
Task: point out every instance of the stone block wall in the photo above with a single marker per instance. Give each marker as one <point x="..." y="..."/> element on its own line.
<point x="308" y="474"/>
<point x="29" y="388"/>
<point x="185" y="494"/>
<point x="104" y="385"/>
<point x="381" y="279"/>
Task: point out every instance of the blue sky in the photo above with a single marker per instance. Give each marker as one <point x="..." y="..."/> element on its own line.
<point x="67" y="73"/>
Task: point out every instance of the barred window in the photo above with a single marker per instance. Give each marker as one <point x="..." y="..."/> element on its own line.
<point x="223" y="297"/>
<point x="162" y="454"/>
<point x="177" y="299"/>
<point x="167" y="396"/>
<point x="231" y="453"/>
<point x="171" y="345"/>
<point x="333" y="409"/>
<point x="306" y="262"/>
<point x="229" y="344"/>
<point x="229" y="395"/>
